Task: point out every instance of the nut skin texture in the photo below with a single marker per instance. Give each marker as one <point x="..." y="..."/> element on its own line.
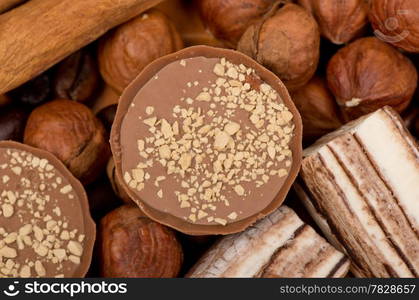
<point x="131" y="245"/>
<point x="318" y="109"/>
<point x="396" y="22"/>
<point x="286" y="41"/>
<point x="70" y="131"/>
<point x="227" y="20"/>
<point x="77" y="77"/>
<point x="186" y="17"/>
<point x="125" y="51"/>
<point x="369" y="74"/>
<point x="339" y="21"/>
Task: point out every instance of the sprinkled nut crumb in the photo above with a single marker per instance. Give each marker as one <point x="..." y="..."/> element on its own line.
<point x="44" y="233"/>
<point x="211" y="153"/>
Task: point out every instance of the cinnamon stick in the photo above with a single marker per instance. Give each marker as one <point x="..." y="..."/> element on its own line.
<point x="5" y="5"/>
<point x="39" y="33"/>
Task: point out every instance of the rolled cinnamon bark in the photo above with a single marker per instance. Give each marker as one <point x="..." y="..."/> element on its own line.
<point x="60" y="28"/>
<point x="5" y="5"/>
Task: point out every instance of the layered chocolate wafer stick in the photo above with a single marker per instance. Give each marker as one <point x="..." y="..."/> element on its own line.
<point x="280" y="245"/>
<point x="361" y="185"/>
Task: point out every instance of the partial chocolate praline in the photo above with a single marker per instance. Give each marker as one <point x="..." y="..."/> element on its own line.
<point x="276" y="189"/>
<point x="45" y="226"/>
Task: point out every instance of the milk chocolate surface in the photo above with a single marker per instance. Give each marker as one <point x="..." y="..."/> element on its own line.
<point x="45" y="226"/>
<point x="206" y="140"/>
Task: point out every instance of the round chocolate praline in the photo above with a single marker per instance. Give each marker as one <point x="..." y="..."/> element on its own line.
<point x="45" y="226"/>
<point x="168" y="83"/>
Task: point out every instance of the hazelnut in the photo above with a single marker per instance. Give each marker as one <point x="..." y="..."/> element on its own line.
<point x="318" y="109"/>
<point x="228" y="19"/>
<point x="132" y="245"/>
<point x="286" y="41"/>
<point x="69" y="130"/>
<point x="185" y="15"/>
<point x="339" y="21"/>
<point x="76" y="77"/>
<point x="12" y="123"/>
<point x="125" y="51"/>
<point x="396" y="22"/>
<point x="369" y="74"/>
<point x="115" y="183"/>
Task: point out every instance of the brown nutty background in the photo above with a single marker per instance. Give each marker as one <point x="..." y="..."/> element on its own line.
<point x="326" y="52"/>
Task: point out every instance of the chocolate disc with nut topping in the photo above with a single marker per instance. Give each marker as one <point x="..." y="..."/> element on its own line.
<point x="45" y="226"/>
<point x="206" y="141"/>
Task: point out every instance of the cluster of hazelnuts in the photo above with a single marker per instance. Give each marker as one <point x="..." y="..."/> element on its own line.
<point x="339" y="60"/>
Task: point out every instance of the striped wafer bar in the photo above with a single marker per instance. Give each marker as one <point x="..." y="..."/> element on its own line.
<point x="361" y="185"/>
<point x="280" y="245"/>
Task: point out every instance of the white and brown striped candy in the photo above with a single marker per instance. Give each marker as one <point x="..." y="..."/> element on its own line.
<point x="280" y="245"/>
<point x="361" y="185"/>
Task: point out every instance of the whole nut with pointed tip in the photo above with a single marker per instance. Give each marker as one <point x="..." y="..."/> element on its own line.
<point x="339" y="21"/>
<point x="318" y="109"/>
<point x="396" y="22"/>
<point x="369" y="74"/>
<point x="132" y="245"/>
<point x="70" y="131"/>
<point x="227" y="20"/>
<point x="286" y="41"/>
<point x="125" y="51"/>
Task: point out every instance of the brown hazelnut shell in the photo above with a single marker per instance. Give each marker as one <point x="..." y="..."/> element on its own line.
<point x="339" y="21"/>
<point x="318" y="109"/>
<point x="185" y="15"/>
<point x="90" y="226"/>
<point x="396" y="22"/>
<point x="132" y="245"/>
<point x="287" y="42"/>
<point x="236" y="58"/>
<point x="126" y="50"/>
<point x="369" y="74"/>
<point x="227" y="20"/>
<point x="70" y="131"/>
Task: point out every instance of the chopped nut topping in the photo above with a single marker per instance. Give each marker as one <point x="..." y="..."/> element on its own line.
<point x="212" y="153"/>
<point x="39" y="243"/>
